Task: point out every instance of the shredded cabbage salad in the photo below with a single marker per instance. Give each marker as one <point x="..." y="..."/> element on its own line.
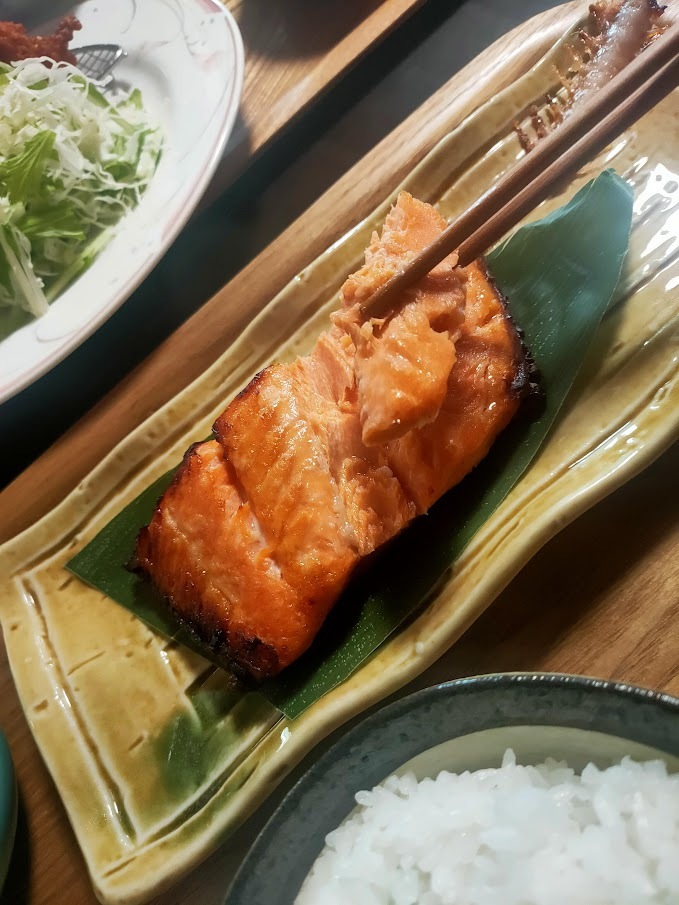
<point x="72" y="164"/>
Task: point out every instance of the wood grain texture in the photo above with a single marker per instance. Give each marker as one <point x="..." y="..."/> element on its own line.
<point x="613" y="576"/>
<point x="294" y="51"/>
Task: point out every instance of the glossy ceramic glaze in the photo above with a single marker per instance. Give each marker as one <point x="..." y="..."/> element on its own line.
<point x="457" y="726"/>
<point x="171" y="46"/>
<point x="8" y="808"/>
<point x="154" y="783"/>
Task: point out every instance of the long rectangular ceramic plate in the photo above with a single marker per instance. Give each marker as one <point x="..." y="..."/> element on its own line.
<point x="153" y="756"/>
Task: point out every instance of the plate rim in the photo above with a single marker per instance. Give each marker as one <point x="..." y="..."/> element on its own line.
<point x="23" y="379"/>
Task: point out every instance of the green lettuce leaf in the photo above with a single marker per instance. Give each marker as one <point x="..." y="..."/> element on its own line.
<point x="21" y="175"/>
<point x="17" y="277"/>
<point x="61" y="221"/>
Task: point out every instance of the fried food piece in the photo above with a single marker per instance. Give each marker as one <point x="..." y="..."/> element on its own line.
<point x="16" y="44"/>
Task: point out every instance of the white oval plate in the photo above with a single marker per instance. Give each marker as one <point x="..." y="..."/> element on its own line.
<point x="186" y="57"/>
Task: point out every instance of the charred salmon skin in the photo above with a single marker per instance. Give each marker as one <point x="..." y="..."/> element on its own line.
<point x="319" y="462"/>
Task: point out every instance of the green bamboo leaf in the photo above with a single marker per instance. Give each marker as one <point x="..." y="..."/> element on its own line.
<point x="559" y="275"/>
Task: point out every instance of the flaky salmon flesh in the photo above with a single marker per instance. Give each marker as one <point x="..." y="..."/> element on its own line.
<point x="318" y="463"/>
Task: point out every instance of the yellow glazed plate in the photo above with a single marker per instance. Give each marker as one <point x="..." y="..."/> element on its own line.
<point x="155" y="759"/>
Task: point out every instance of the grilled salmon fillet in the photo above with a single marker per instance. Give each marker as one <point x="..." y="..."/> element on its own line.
<point x="319" y="462"/>
<point x="402" y="363"/>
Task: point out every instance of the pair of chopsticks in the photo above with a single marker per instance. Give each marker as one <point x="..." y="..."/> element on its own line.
<point x="584" y="132"/>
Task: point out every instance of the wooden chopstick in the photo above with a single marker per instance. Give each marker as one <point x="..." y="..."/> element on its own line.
<point x="584" y="132"/>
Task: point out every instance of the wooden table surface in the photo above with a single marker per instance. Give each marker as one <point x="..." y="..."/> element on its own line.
<point x="611" y="576"/>
<point x="294" y="51"/>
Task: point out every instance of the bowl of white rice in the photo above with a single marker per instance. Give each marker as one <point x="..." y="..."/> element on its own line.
<point x="511" y="789"/>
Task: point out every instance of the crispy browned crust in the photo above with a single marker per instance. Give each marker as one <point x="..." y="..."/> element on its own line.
<point x="246" y="657"/>
<point x="526" y="383"/>
<point x="221" y="425"/>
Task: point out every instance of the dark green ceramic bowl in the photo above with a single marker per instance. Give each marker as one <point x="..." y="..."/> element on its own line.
<point x="8" y="808"/>
<point x="462" y="725"/>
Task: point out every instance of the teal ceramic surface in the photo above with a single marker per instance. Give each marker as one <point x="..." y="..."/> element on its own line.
<point x="8" y="808"/>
